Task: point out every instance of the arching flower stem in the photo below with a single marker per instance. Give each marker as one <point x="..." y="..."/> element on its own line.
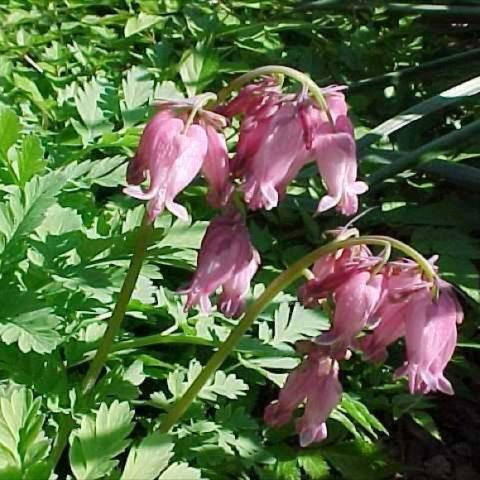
<point x="300" y="77"/>
<point x="282" y="281"/>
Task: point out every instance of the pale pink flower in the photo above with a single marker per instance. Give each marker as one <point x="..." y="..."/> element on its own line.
<point x="315" y="381"/>
<point x="226" y="259"/>
<point x="431" y="336"/>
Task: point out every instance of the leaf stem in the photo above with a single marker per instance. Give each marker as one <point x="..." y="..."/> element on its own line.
<point x="279" y="283"/>
<point x="300" y="77"/>
<point x="118" y="313"/>
<point x="98" y="362"/>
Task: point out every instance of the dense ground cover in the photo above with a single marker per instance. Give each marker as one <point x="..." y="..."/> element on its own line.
<point x="76" y="81"/>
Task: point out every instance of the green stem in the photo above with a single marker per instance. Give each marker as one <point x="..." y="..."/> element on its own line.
<point x="280" y="283"/>
<point x="118" y="313"/>
<point x="313" y="88"/>
<point x="157" y="339"/>
<point x="98" y="362"/>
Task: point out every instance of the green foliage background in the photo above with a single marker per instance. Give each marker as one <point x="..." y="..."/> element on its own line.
<point x="76" y="79"/>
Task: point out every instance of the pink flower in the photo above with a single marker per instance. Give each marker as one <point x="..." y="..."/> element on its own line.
<point x="335" y="154"/>
<point x="226" y="259"/>
<point x="216" y="169"/>
<point x="355" y="302"/>
<point x="170" y="155"/>
<point x="278" y="159"/>
<point x="316" y="381"/>
<point x="332" y="270"/>
<point x="431" y="336"/>
<point x="388" y="320"/>
<point x="323" y="397"/>
<point x="271" y="147"/>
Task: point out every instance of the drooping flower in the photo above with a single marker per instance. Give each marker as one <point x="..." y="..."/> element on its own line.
<point x="355" y="301"/>
<point x="171" y="153"/>
<point x="216" y="168"/>
<point x="279" y="133"/>
<point x="402" y="278"/>
<point x="314" y="381"/>
<point x="322" y="399"/>
<point x="226" y="259"/>
<point x="431" y="337"/>
<point x="335" y="154"/>
<point x="334" y="269"/>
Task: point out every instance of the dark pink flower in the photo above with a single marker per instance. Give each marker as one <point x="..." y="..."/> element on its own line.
<point x="431" y="337"/>
<point x="226" y="259"/>
<point x="355" y="301"/>
<point x="170" y="155"/>
<point x="314" y="381"/>
<point x="216" y="168"/>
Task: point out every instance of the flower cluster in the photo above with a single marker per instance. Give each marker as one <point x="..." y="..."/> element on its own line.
<point x="279" y="134"/>
<point x="375" y="304"/>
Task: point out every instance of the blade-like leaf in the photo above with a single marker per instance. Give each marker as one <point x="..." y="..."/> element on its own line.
<point x="426" y="152"/>
<point x="449" y="97"/>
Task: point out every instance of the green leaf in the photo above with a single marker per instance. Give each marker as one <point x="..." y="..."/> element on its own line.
<point x="229" y="386"/>
<point x="29" y="87"/>
<point x="9" y="131"/>
<point x="23" y="444"/>
<point x="137" y="90"/>
<point x="142" y="22"/>
<point x="30" y="159"/>
<point x="24" y="211"/>
<point x="32" y="331"/>
<point x="292" y="325"/>
<point x="315" y="466"/>
<point x="359" y="461"/>
<point x="198" y="68"/>
<point x="181" y="470"/>
<point x="360" y="413"/>
<point x="426" y="421"/>
<point x="59" y="220"/>
<point x="87" y="101"/>
<point x="100" y="437"/>
<point x="146" y="460"/>
<point x="449" y="97"/>
<point x="444" y="144"/>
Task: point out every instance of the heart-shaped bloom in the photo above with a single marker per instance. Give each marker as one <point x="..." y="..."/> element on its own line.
<point x="226" y="259"/>
<point x="315" y="382"/>
<point x="355" y="301"/>
<point x="335" y="154"/>
<point x="279" y="133"/>
<point x="171" y="153"/>
<point x="431" y="337"/>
